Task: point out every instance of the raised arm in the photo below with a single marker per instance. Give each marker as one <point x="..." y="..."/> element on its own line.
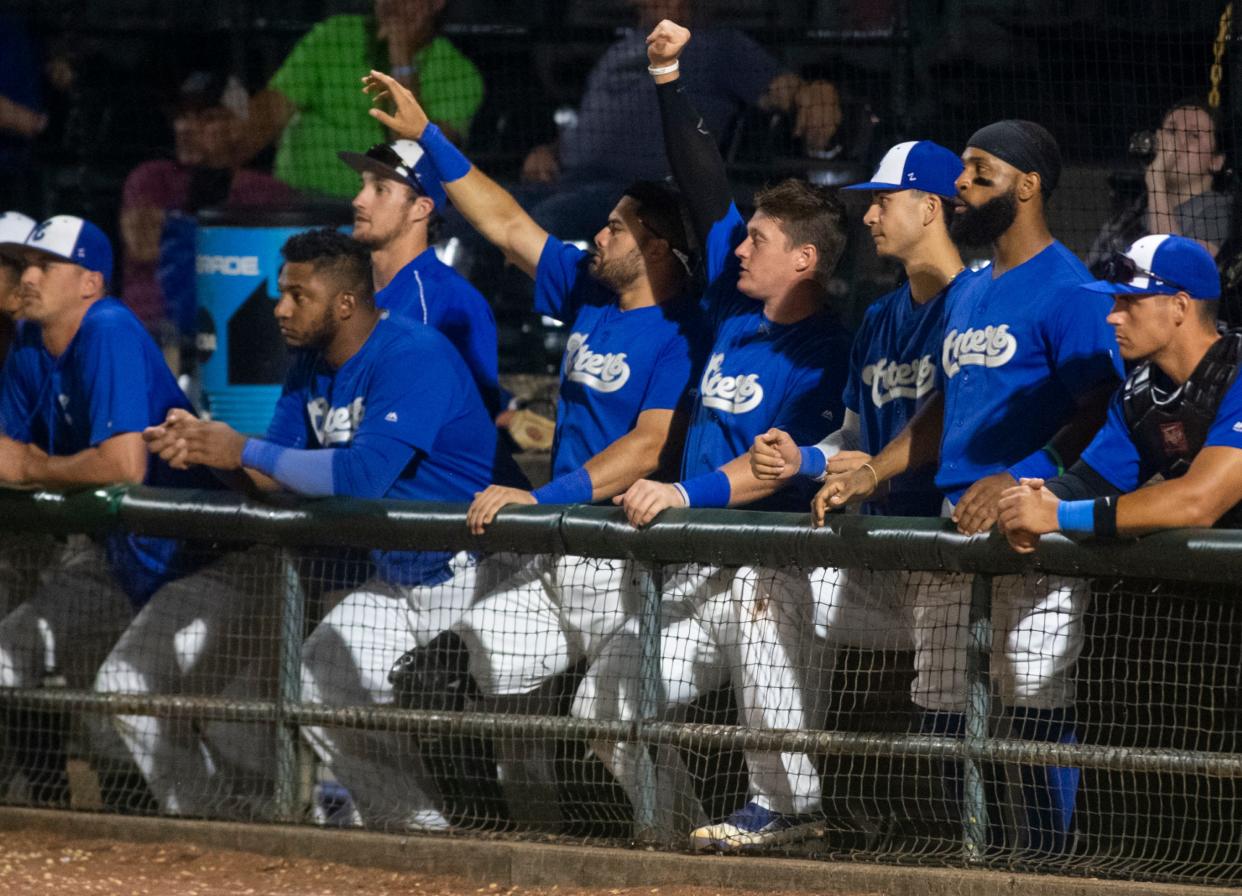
<point x="488" y="207"/>
<point x="693" y="154"/>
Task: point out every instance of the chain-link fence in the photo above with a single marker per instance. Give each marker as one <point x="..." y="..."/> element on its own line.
<point x="904" y="694"/>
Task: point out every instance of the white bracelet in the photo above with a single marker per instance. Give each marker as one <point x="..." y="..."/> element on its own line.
<point x="664" y="69"/>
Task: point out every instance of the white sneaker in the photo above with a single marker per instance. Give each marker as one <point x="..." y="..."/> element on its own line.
<point x="426" y="821"/>
<point x="754" y="827"/>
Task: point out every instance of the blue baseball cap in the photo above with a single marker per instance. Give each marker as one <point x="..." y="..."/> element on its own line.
<point x="74" y="240"/>
<point x="401" y="160"/>
<point x="916" y="165"/>
<point x="1161" y="264"/>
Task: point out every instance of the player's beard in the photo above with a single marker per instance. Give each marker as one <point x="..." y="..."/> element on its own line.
<point x="373" y="240"/>
<point x="983" y="225"/>
<point x="318" y="337"/>
<point x="620" y="274"/>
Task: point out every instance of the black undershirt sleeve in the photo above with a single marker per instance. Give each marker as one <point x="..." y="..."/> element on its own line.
<point x="1080" y="482"/>
<point x="694" y="157"/>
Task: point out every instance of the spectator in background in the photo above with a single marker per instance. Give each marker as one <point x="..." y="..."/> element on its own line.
<point x="210" y="113"/>
<point x="614" y="142"/>
<point x="14" y="228"/>
<point x="314" y="105"/>
<point x="1178" y="195"/>
<point x="21" y="106"/>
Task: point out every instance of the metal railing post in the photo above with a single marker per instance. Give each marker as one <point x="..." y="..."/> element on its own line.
<point x="651" y="586"/>
<point x="978" y="707"/>
<point x="289" y="758"/>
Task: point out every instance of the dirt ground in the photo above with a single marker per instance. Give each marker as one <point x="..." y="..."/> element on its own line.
<point x="34" y="863"/>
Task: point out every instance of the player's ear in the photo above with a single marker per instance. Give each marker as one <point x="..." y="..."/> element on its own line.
<point x="1029" y="185"/>
<point x="1181" y="307"/>
<point x="422" y="208"/>
<point x="93" y="285"/>
<point x="931" y="208"/>
<point x="346" y="304"/>
<point x="808" y="258"/>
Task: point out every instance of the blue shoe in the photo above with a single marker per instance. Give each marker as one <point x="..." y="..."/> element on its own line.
<point x="754" y="827"/>
<point x="333" y="807"/>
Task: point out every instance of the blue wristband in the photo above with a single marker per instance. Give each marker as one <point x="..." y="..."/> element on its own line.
<point x="447" y="158"/>
<point x="572" y="488"/>
<point x="260" y="455"/>
<point x="1076" y="517"/>
<point x="709" y="490"/>
<point x="1037" y="466"/>
<point x="814" y="461"/>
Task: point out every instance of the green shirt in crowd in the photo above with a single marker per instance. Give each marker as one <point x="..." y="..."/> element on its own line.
<point x="322" y="78"/>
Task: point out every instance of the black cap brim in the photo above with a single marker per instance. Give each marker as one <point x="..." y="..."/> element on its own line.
<point x="361" y="162"/>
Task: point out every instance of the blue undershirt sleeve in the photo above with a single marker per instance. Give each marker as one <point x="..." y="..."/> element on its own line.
<point x="366" y="469"/>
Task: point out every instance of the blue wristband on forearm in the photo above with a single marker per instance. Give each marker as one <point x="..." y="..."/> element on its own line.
<point x="1076" y="517"/>
<point x="709" y="490"/>
<point x="814" y="461"/>
<point x="572" y="488"/>
<point x="447" y="158"/>
<point x="260" y="455"/>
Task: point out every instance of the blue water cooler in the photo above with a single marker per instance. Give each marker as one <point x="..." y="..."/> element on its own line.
<point x="243" y="359"/>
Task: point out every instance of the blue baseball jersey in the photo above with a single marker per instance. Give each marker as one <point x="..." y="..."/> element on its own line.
<point x="1019" y="351"/>
<point x="430" y="292"/>
<point x="892" y="374"/>
<point x="406" y="386"/>
<point x="760" y="374"/>
<point x="617" y="363"/>
<point x="1113" y="454"/>
<point x="110" y="380"/>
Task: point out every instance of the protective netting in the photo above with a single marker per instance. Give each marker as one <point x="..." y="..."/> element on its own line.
<point x="610" y="700"/>
<point x="553" y="99"/>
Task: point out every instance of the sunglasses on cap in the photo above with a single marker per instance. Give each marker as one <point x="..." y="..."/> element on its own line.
<point x="1121" y="268"/>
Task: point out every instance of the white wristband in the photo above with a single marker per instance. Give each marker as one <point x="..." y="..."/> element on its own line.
<point x="664" y="69"/>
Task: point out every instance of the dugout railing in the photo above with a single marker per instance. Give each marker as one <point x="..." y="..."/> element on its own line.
<point x="1160" y="695"/>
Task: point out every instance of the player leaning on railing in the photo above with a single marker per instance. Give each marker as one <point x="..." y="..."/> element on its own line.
<point x="1026" y="370"/>
<point x="788" y="622"/>
<point x="1178" y="414"/>
<point x="629" y="361"/>
<point x="778" y="358"/>
<point x="374" y="406"/>
<point x="82" y="381"/>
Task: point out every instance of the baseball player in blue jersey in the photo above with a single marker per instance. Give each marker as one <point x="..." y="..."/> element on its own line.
<point x="785" y="624"/>
<point x="373" y="407"/>
<point x="778" y="359"/>
<point x="630" y="357"/>
<point x="25" y="556"/>
<point x="81" y="383"/>
<point x="14" y="228"/>
<point x="396" y="215"/>
<point x="1027" y="367"/>
<point x="1178" y="414"/>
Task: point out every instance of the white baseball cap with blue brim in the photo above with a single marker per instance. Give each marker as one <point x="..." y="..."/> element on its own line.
<point x="14" y="229"/>
<point x="401" y="160"/>
<point x="1161" y="264"/>
<point x="916" y="165"/>
<point x="75" y="240"/>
